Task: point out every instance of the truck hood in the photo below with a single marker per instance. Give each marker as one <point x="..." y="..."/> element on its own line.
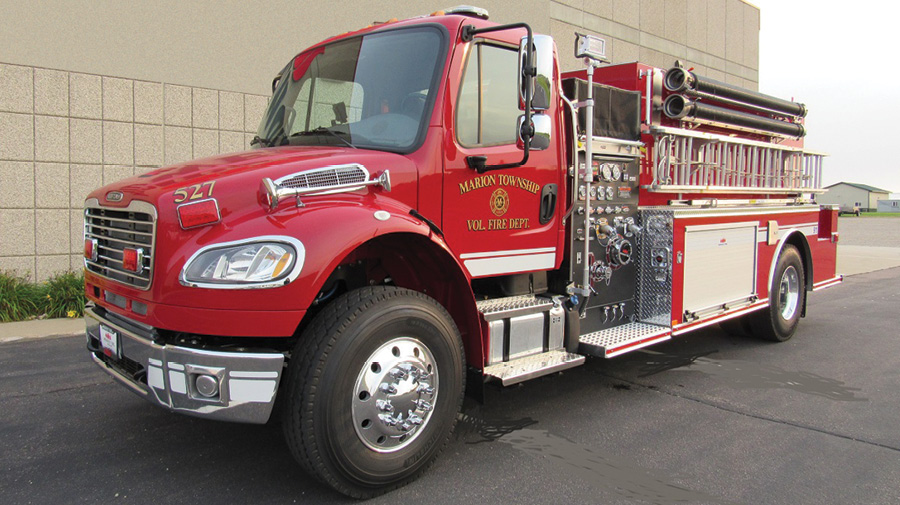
<point x="244" y="171"/>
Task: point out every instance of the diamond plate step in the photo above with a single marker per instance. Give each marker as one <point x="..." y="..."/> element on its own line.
<point x="536" y="365"/>
<point x="499" y="308"/>
<point x="612" y="342"/>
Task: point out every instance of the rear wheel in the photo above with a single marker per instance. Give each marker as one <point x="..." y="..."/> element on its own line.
<point x="374" y="388"/>
<point x="787" y="295"/>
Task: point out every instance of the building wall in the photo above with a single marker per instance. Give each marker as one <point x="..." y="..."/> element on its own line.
<point x="874" y="198"/>
<point x="64" y="134"/>
<point x="888" y="205"/>
<point x="847" y="196"/>
<point x="93" y="92"/>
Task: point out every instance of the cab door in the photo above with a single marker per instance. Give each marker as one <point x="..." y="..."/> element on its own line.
<point x="502" y="221"/>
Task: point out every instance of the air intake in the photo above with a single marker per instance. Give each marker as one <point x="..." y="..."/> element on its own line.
<point x="337" y="177"/>
<point x="320" y="181"/>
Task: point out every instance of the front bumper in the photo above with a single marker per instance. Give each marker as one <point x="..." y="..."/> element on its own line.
<point x="167" y="375"/>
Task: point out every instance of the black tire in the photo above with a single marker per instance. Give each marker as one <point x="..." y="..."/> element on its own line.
<point x="334" y="353"/>
<point x="787" y="296"/>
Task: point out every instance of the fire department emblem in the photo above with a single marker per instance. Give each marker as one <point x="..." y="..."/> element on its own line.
<point x="499" y="202"/>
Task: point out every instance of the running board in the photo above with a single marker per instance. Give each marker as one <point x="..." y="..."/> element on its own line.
<point x="612" y="342"/>
<point x="513" y="306"/>
<point x="536" y="365"/>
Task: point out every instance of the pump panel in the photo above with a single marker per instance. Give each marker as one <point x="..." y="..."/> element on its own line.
<point x="614" y="236"/>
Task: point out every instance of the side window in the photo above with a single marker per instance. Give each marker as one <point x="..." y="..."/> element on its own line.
<point x="488" y="105"/>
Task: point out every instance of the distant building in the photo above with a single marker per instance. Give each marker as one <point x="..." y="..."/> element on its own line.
<point x="851" y="196"/>
<point x="888" y="205"/>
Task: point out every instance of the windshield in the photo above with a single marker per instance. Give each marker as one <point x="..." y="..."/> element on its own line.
<point x="373" y="92"/>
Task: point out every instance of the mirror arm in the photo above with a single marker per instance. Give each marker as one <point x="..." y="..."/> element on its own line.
<point x="479" y="163"/>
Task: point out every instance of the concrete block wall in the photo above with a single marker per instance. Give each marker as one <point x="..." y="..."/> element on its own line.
<point x="64" y="134"/>
<point x="718" y="38"/>
<point x="183" y="90"/>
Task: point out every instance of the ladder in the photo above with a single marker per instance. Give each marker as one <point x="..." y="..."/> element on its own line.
<point x="686" y="161"/>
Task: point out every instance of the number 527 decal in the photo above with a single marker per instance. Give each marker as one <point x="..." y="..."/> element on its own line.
<point x="195" y="192"/>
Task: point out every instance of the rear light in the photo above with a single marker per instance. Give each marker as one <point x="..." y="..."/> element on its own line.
<point x="90" y="249"/>
<point x="133" y="259"/>
<point x="194" y="214"/>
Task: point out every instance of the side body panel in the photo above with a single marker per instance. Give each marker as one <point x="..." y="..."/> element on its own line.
<point x="714" y="270"/>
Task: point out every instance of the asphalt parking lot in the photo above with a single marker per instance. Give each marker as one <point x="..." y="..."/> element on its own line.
<point x="870" y="231"/>
<point x="706" y="418"/>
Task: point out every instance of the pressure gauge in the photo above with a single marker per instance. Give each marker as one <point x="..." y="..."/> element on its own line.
<point x="616" y="172"/>
<point x="593" y="193"/>
<point x="606" y="172"/>
<point x="610" y="192"/>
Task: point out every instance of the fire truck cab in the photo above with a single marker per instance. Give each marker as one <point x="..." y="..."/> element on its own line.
<point x="432" y="201"/>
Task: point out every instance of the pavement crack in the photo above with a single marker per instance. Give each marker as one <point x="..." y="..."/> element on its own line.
<point x="751" y="415"/>
<point x="51" y="391"/>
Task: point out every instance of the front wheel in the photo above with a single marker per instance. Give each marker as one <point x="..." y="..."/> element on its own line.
<point x="787" y="295"/>
<point x="374" y="388"/>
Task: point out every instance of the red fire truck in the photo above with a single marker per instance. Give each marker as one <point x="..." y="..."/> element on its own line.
<point x="430" y="202"/>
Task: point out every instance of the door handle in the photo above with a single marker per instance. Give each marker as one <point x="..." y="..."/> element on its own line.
<point x="548" y="203"/>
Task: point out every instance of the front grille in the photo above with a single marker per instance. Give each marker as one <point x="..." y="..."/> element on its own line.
<point x="325" y="177"/>
<point x="116" y="230"/>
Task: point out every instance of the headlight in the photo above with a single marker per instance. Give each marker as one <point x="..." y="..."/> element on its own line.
<point x="256" y="263"/>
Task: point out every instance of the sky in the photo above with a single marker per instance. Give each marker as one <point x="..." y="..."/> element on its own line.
<point x="838" y="57"/>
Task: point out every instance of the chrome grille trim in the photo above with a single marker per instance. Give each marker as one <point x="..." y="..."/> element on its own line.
<point x="340" y="177"/>
<point x="116" y="228"/>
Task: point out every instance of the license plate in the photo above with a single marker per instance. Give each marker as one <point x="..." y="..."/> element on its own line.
<point x="109" y="340"/>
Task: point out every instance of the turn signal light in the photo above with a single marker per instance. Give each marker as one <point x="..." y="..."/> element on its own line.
<point x="133" y="259"/>
<point x="194" y="214"/>
<point x="90" y="249"/>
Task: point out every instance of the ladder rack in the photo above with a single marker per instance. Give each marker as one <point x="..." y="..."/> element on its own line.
<point x="686" y="161"/>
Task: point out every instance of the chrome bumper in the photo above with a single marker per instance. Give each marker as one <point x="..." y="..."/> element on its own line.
<point x="167" y="374"/>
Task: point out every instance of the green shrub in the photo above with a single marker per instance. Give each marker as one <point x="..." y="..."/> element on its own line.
<point x="61" y="296"/>
<point x="19" y="298"/>
<point x="64" y="296"/>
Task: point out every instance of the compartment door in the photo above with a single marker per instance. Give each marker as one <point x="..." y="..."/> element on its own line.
<point x="719" y="265"/>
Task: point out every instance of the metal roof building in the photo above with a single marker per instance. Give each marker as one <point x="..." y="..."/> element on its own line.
<point x="850" y="195"/>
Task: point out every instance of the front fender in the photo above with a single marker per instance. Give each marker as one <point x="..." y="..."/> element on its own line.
<point x="333" y="234"/>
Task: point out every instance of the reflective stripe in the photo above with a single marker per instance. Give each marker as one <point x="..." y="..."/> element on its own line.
<point x="510" y="264"/>
<point x="490" y="254"/>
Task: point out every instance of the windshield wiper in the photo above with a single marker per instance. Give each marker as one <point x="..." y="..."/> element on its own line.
<point x="259" y="140"/>
<point x="321" y="129"/>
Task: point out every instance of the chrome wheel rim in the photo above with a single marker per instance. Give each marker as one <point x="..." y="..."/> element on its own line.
<point x="789" y="292"/>
<point x="395" y="394"/>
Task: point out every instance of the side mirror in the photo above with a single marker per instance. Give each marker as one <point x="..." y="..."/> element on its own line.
<point x="542" y="82"/>
<point x="540" y="132"/>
